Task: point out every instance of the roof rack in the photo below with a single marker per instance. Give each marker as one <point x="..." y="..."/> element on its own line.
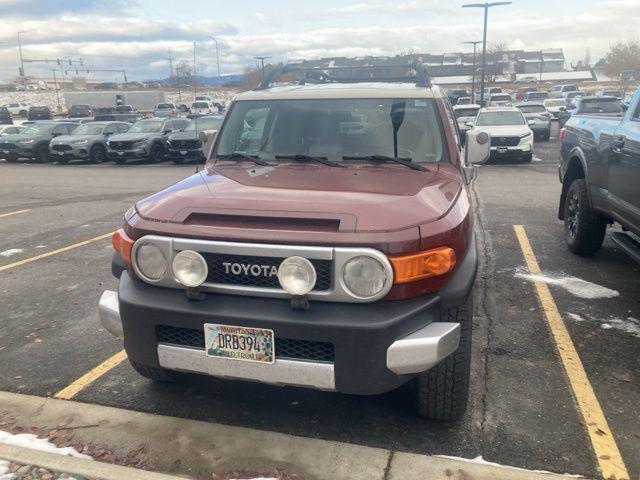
<point x="323" y="74"/>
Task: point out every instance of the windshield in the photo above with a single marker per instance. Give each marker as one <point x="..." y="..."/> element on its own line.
<point x="600" y="106"/>
<point x="537" y="95"/>
<point x="80" y="107"/>
<point x="146" y="126"/>
<point x="124" y="108"/>
<point x="555" y="103"/>
<point x="165" y="105"/>
<point x="492" y="119"/>
<point x="88" y="129"/>
<point x="200" y="105"/>
<point x="500" y="98"/>
<point x="203" y="123"/>
<point x="466" y="112"/>
<point x="38" y="129"/>
<point x="532" y="109"/>
<point x="334" y="128"/>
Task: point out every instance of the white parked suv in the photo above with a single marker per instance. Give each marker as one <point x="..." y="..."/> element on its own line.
<point x="202" y="107"/>
<point x="19" y="109"/>
<point x="500" y="100"/>
<point x="511" y="136"/>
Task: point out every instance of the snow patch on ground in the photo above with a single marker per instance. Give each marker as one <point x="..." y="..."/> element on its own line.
<point x="481" y="461"/>
<point x="574" y="285"/>
<point x="29" y="440"/>
<point x="4" y="471"/>
<point x="575" y="317"/>
<point x="630" y="325"/>
<point x="11" y="252"/>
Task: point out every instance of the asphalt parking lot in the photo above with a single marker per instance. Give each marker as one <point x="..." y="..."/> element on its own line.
<point x="522" y="411"/>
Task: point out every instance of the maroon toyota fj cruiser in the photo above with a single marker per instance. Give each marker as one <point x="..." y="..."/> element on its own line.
<point x="328" y="243"/>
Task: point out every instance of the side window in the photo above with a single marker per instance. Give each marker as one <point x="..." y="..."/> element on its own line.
<point x="453" y="123"/>
<point x="123" y="128"/>
<point x="60" y="130"/>
<point x="111" y="129"/>
<point x="179" y="124"/>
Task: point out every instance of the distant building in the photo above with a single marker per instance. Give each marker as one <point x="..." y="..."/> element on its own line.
<point x="506" y="65"/>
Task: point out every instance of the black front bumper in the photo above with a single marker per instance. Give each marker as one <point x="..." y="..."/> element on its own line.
<point x="360" y="333"/>
<point x="176" y="154"/>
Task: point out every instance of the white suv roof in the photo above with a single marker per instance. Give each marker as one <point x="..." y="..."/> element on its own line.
<point x="343" y="90"/>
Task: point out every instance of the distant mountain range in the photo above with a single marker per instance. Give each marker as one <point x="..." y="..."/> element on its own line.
<point x="221" y="81"/>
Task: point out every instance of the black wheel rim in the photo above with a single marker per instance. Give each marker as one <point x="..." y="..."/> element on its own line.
<point x="573" y="207"/>
<point x="42" y="157"/>
<point x="99" y="155"/>
<point x="157" y="154"/>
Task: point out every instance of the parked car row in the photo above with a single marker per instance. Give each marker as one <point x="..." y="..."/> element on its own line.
<point x="154" y="139"/>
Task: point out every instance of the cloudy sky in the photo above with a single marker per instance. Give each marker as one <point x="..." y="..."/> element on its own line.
<point x="136" y="34"/>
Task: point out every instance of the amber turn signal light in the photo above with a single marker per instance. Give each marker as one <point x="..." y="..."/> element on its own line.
<point x="122" y="244"/>
<point x="427" y="264"/>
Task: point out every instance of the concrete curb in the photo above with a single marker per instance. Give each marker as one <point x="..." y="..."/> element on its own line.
<point x="77" y="466"/>
<point x="195" y="448"/>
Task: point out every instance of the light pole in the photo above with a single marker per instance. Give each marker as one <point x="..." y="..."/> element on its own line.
<point x="473" y="78"/>
<point x="486" y="7"/>
<point x="22" y="75"/>
<point x="217" y="53"/>
<point x="262" y="59"/>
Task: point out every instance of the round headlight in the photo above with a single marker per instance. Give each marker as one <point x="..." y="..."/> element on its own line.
<point x="150" y="261"/>
<point x="190" y="268"/>
<point x="297" y="275"/>
<point x="364" y="276"/>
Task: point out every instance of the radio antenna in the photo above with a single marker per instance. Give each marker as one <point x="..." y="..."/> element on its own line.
<point x="195" y="94"/>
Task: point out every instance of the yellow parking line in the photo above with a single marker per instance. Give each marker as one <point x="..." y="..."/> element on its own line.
<point x="72" y="390"/>
<point x="54" y="252"/>
<point x="604" y="445"/>
<point x="14" y="213"/>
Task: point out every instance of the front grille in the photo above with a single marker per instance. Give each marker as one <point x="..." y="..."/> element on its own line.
<point x="498" y="141"/>
<point x="61" y="148"/>
<point x="7" y="146"/>
<point x="285" y="347"/>
<point x="186" y="144"/>
<point x="219" y="273"/>
<point x="121" y="145"/>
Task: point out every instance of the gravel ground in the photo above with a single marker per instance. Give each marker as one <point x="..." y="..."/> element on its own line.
<point x="48" y="98"/>
<point x="15" y="471"/>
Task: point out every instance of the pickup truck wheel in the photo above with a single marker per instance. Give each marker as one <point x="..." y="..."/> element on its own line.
<point x="157" y="153"/>
<point x="11" y="159"/>
<point x="98" y="154"/>
<point x="442" y="392"/>
<point x="154" y="373"/>
<point x="584" y="229"/>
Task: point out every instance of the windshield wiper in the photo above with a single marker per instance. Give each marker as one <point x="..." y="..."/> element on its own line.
<point x="384" y="158"/>
<point x="303" y="158"/>
<point x="244" y="156"/>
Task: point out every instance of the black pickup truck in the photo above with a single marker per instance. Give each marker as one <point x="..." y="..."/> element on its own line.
<point x="600" y="175"/>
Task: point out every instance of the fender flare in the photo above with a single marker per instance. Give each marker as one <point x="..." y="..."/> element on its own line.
<point x="576" y="152"/>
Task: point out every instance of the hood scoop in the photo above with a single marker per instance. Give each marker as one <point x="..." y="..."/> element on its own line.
<point x="263" y="222"/>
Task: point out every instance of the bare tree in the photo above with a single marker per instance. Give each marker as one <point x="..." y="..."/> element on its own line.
<point x="184" y="73"/>
<point x="623" y="57"/>
<point x="495" y="66"/>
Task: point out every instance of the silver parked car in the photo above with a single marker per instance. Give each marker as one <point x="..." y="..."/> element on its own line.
<point x="86" y="142"/>
<point x="538" y="117"/>
<point x="165" y="110"/>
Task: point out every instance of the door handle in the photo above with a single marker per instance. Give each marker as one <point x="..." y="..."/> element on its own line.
<point x="618" y="144"/>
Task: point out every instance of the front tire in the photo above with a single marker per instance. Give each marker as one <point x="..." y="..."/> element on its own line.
<point x="154" y="373"/>
<point x="442" y="392"/>
<point x="157" y="153"/>
<point x="42" y="154"/>
<point x="98" y="154"/>
<point x="584" y="229"/>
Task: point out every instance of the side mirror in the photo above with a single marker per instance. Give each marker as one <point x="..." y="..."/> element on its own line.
<point x="168" y="130"/>
<point x="207" y="137"/>
<point x="563" y="109"/>
<point x="469" y="124"/>
<point x="531" y="122"/>
<point x="477" y="148"/>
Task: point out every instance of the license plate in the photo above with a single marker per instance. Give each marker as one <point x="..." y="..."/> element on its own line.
<point x="120" y="153"/>
<point x="61" y="153"/>
<point x="503" y="149"/>
<point x="183" y="152"/>
<point x="239" y="343"/>
<point x="5" y="151"/>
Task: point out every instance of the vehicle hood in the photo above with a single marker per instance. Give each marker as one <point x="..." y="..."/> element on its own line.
<point x="132" y="137"/>
<point x="183" y="136"/>
<point x="506" y="130"/>
<point x="68" y="139"/>
<point x="21" y="136"/>
<point x="361" y="198"/>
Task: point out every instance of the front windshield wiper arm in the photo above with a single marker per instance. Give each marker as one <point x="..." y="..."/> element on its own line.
<point x="244" y="156"/>
<point x="384" y="158"/>
<point x="302" y="158"/>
